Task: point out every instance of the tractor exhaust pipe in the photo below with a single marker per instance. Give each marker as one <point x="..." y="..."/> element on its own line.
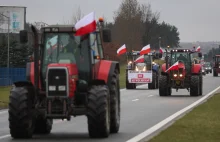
<point x="36" y="57"/>
<point x="166" y="59"/>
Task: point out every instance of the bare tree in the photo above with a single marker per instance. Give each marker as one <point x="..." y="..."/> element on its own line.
<point x="77" y="16"/>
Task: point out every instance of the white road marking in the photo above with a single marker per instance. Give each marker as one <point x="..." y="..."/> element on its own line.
<point x="156" y="127"/>
<point x="5" y="111"/>
<point x="150" y="96"/>
<point x="135" y="100"/>
<point x="5" y="136"/>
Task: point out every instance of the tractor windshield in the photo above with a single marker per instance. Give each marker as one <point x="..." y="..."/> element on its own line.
<point x="180" y="56"/>
<point x="60" y="48"/>
<point x="65" y="48"/>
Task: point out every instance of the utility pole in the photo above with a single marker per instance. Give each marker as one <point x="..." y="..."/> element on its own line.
<point x="8" y="61"/>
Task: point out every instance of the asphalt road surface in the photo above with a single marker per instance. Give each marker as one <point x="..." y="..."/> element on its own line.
<point x="141" y="109"/>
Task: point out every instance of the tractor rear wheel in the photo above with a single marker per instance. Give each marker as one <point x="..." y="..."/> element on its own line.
<point x="164" y="90"/>
<point x="115" y="103"/>
<point x="20" y="113"/>
<point x="129" y="85"/>
<point x="98" y="111"/>
<point x="195" y="86"/>
<point x="200" y="85"/>
<point x="215" y="73"/>
<point x="43" y="126"/>
<point x="153" y="84"/>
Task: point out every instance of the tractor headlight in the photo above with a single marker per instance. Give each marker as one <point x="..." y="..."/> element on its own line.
<point x="130" y="62"/>
<point x="144" y="69"/>
<point x="181" y="75"/>
<point x="136" y="68"/>
<point x="175" y="75"/>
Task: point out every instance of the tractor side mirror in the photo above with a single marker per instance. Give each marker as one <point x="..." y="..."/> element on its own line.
<point x="23" y="36"/>
<point x="199" y="55"/>
<point x="106" y="33"/>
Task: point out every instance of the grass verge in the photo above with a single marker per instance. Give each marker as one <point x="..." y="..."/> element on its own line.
<point x="4" y="96"/>
<point x="202" y="124"/>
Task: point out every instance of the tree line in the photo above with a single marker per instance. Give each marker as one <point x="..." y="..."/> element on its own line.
<point x="211" y="53"/>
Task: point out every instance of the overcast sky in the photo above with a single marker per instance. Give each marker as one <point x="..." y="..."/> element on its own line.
<point x="197" y="20"/>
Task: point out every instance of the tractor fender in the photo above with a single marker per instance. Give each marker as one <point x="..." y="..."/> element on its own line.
<point x="30" y="73"/>
<point x="196" y="69"/>
<point x="106" y="71"/>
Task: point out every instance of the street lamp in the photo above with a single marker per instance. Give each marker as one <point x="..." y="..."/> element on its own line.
<point x="159" y="42"/>
<point x="8" y="41"/>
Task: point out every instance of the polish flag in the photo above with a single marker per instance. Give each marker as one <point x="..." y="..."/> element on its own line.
<point x="121" y="50"/>
<point x="198" y="49"/>
<point x="140" y="59"/>
<point x="86" y="25"/>
<point x="161" y="50"/>
<point x="145" y="50"/>
<point x="174" y="66"/>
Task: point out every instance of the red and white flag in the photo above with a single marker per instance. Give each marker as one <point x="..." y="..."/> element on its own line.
<point x="161" y="50"/>
<point x="145" y="50"/>
<point x="174" y="67"/>
<point x="198" y="49"/>
<point x="140" y="59"/>
<point x="122" y="50"/>
<point x="86" y="25"/>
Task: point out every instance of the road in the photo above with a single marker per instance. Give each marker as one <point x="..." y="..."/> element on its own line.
<point x="141" y="109"/>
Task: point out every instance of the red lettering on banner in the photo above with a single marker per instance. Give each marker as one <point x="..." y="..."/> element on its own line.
<point x="140" y="75"/>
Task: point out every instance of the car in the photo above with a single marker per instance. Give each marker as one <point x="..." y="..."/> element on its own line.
<point x="207" y="67"/>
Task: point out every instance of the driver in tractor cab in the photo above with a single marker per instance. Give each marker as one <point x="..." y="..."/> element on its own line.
<point x="71" y="47"/>
<point x="182" y="58"/>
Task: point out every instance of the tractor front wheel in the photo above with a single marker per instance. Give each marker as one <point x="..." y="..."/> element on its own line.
<point x="43" y="126"/>
<point x="129" y="85"/>
<point x="195" y="86"/>
<point x="164" y="89"/>
<point x="153" y="84"/>
<point x="98" y="111"/>
<point x="115" y="103"/>
<point x="20" y="113"/>
<point x="215" y="73"/>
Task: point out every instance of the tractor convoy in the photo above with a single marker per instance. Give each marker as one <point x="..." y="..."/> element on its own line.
<point x="66" y="79"/>
<point x="69" y="76"/>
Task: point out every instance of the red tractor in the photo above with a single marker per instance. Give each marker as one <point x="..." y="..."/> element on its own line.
<point x="69" y="77"/>
<point x="180" y="72"/>
<point x="216" y="65"/>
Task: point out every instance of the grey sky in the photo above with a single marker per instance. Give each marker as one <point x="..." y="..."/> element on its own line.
<point x="197" y="20"/>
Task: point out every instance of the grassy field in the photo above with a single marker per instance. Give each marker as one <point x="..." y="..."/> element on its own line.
<point x="4" y="93"/>
<point x="200" y="125"/>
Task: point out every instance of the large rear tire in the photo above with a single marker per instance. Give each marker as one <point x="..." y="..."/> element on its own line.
<point x="99" y="112"/>
<point x="115" y="103"/>
<point x="200" y="85"/>
<point x="215" y="73"/>
<point x="20" y="113"/>
<point x="195" y="86"/>
<point x="164" y="89"/>
<point x="153" y="84"/>
<point x="43" y="126"/>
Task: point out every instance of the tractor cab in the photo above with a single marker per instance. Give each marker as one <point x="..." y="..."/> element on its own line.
<point x="185" y="57"/>
<point x="216" y="65"/>
<point x="131" y="57"/>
